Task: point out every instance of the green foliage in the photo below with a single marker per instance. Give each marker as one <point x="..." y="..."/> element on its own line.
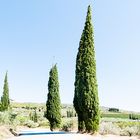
<point x="0" y="106"/>
<point x="68" y="124"/>
<point x="53" y="105"/>
<point x="134" y="116"/>
<point x="113" y="109"/>
<point x="22" y="119"/>
<point x="124" y="124"/>
<point x="33" y="116"/>
<point x="71" y="113"/>
<point x="86" y="90"/>
<point x="44" y="123"/>
<point x="5" y="101"/>
<point x="5" y="118"/>
<point x="31" y="124"/>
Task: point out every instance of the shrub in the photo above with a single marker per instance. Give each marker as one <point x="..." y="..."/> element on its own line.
<point x="124" y="124"/>
<point x="15" y="124"/>
<point x="129" y="131"/>
<point x="139" y="130"/>
<point x="68" y="126"/>
<point x="33" y="116"/>
<point x="22" y="119"/>
<point x="134" y="116"/>
<point x="0" y="106"/>
<point x="123" y="128"/>
<point x="5" y="118"/>
<point x="31" y="124"/>
<point x="44" y="123"/>
<point x="109" y="128"/>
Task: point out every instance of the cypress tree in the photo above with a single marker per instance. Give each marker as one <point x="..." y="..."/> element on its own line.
<point x="53" y="104"/>
<point x="77" y="100"/>
<point x="86" y="100"/>
<point x="35" y="117"/>
<point x="5" y="101"/>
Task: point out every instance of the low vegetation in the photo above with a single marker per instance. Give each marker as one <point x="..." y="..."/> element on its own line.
<point x="122" y="115"/>
<point x="32" y="115"/>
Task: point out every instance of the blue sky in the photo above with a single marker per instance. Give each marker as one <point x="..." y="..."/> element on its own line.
<point x="36" y="34"/>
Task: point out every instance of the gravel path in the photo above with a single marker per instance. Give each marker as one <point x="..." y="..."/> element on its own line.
<point x="67" y="136"/>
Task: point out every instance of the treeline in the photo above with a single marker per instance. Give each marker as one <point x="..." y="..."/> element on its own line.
<point x="113" y="109"/>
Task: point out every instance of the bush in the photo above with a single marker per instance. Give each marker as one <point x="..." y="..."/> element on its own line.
<point x="0" y="107"/>
<point x="5" y="118"/>
<point x="134" y="116"/>
<point x="22" y="119"/>
<point x="139" y="130"/>
<point x="71" y="113"/>
<point x="33" y="116"/>
<point x="44" y="123"/>
<point x="123" y="128"/>
<point x="124" y="124"/>
<point x="109" y="128"/>
<point x="68" y="126"/>
<point x="129" y="131"/>
<point x="15" y="124"/>
<point x="31" y="124"/>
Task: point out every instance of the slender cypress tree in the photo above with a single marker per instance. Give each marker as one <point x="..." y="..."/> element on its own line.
<point x="53" y="104"/>
<point x="77" y="102"/>
<point x="86" y="100"/>
<point x="5" y="101"/>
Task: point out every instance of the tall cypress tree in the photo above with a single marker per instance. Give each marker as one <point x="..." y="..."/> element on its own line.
<point x="86" y="100"/>
<point x="77" y="100"/>
<point x="5" y="101"/>
<point x="53" y="104"/>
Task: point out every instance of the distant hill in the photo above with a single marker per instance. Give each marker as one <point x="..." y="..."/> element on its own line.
<point x="64" y="106"/>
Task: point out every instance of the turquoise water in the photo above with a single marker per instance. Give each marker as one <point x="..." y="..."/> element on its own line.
<point x="41" y="133"/>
